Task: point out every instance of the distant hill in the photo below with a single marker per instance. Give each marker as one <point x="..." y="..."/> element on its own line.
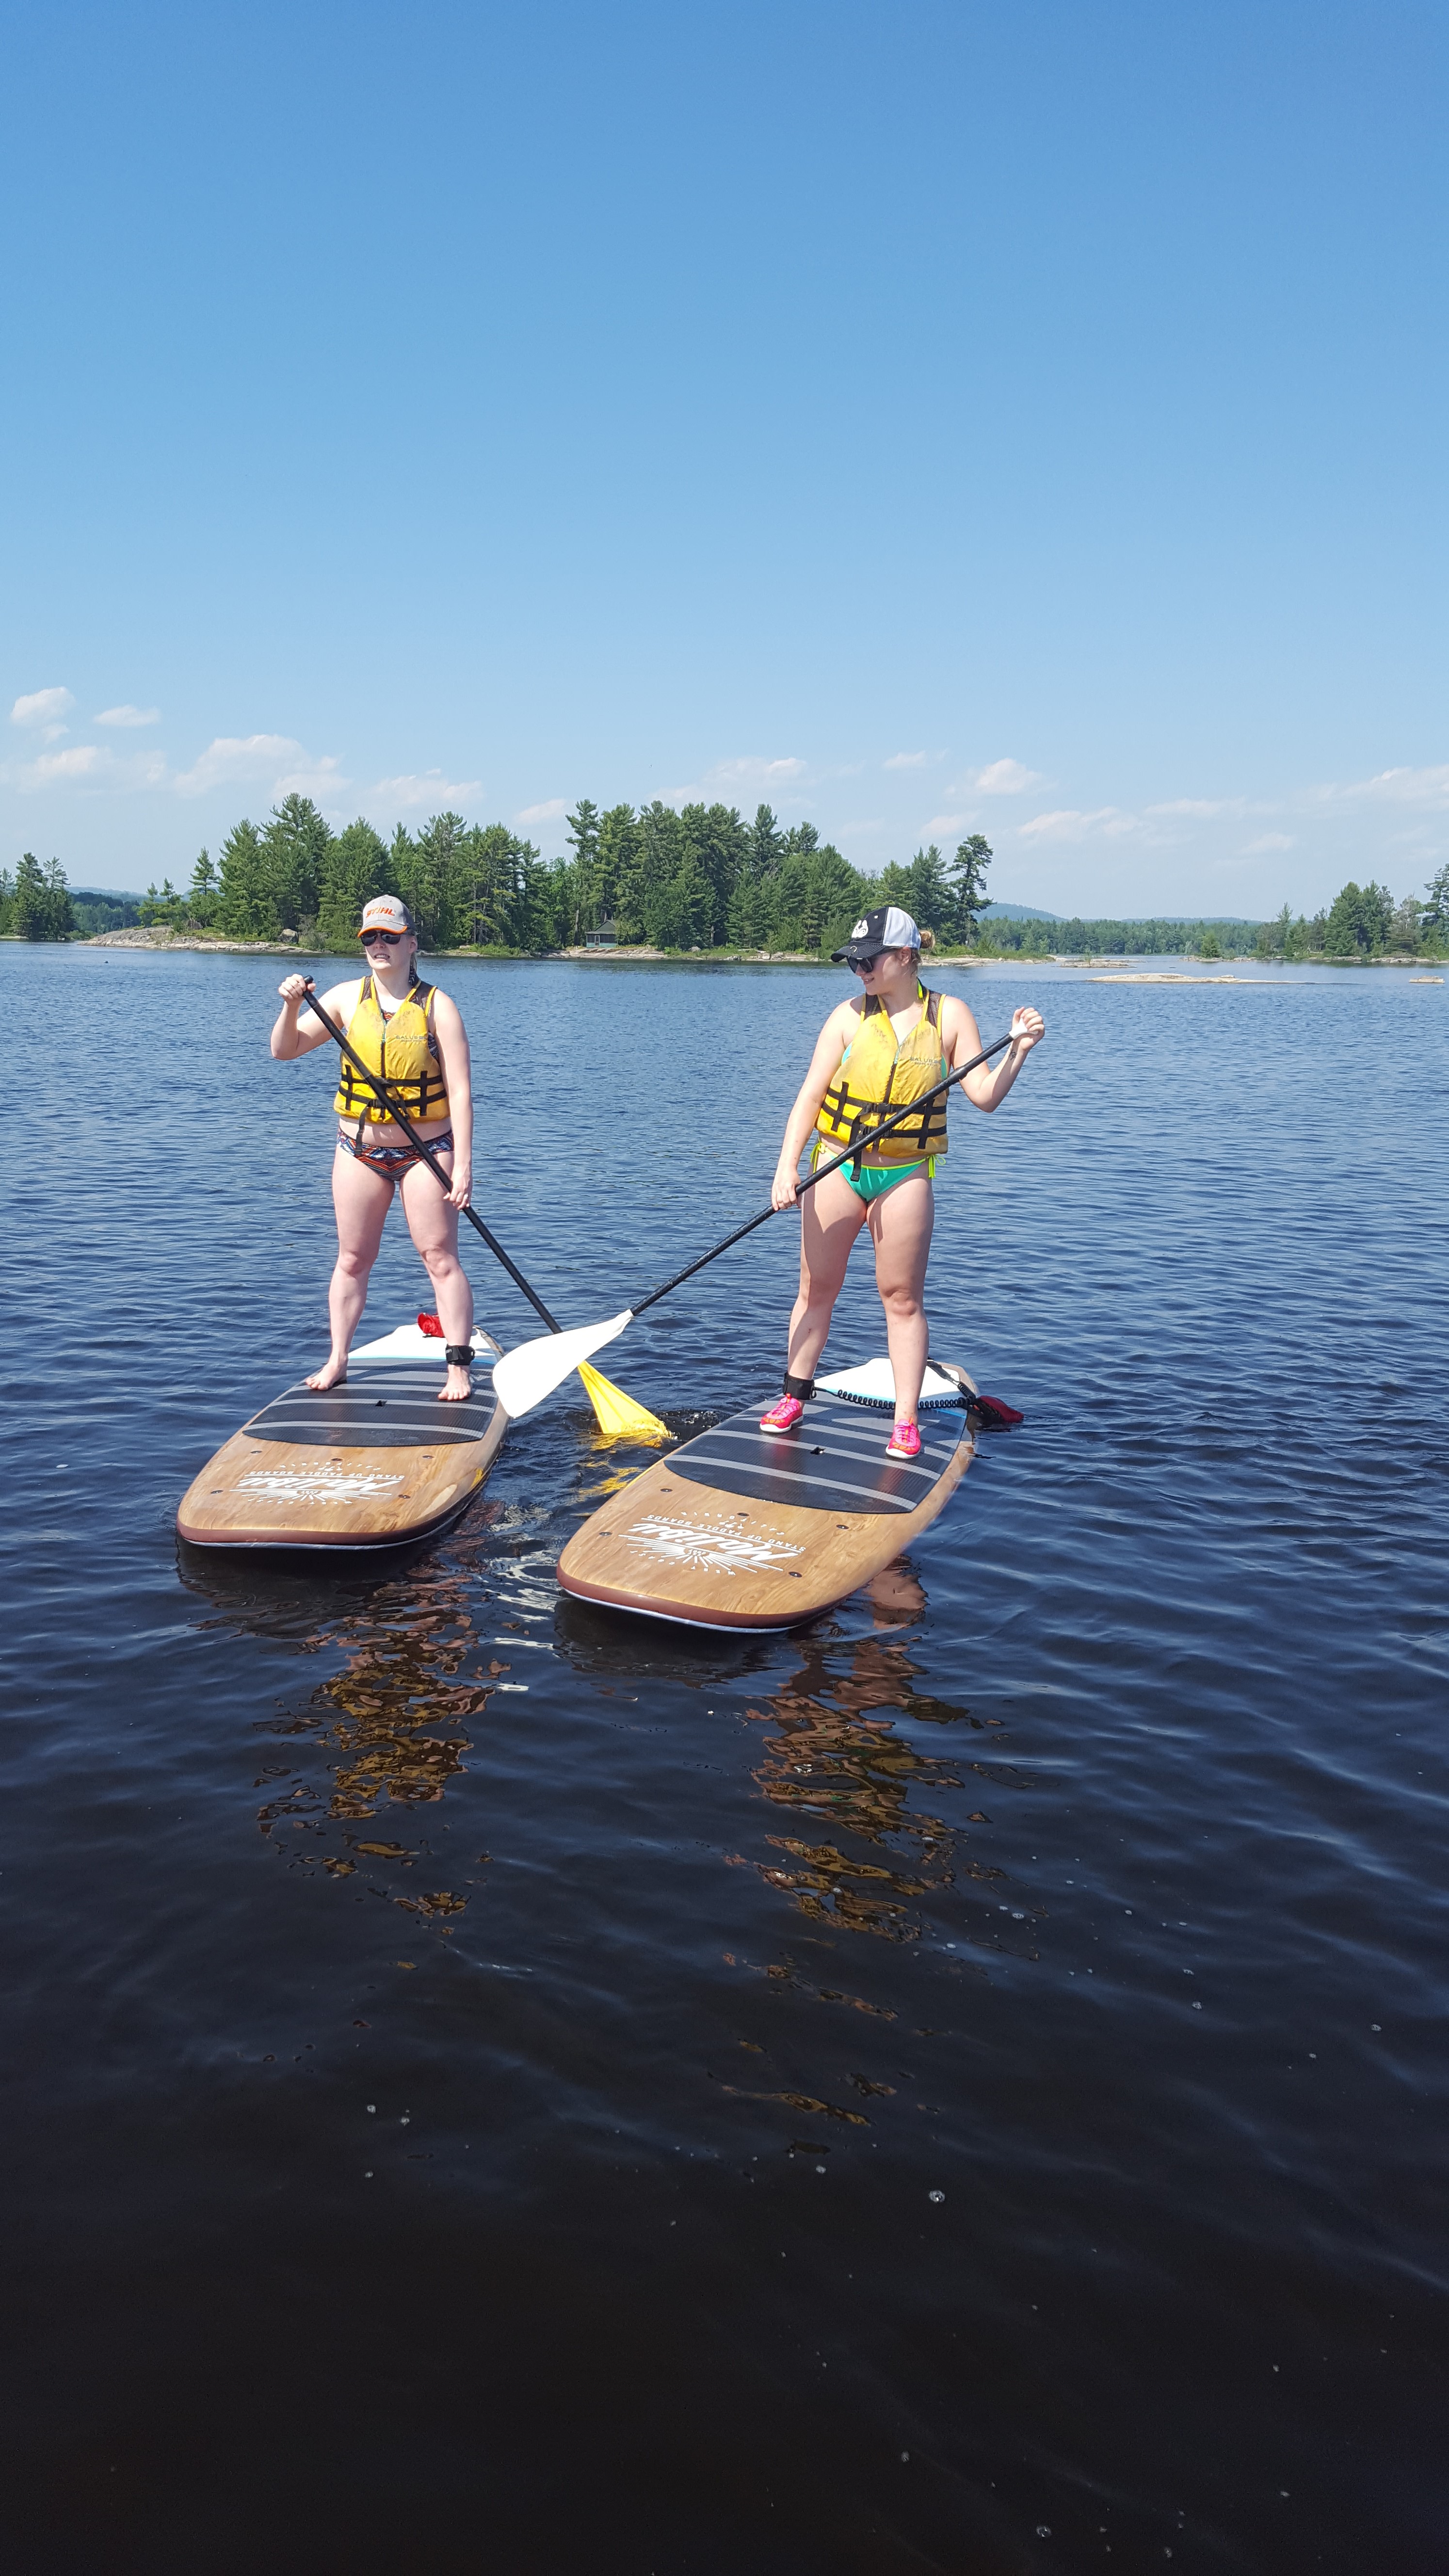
<point x="1030" y="912"/>
<point x="105" y="894"/>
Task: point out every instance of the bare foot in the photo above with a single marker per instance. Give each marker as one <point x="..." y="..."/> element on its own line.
<point x="333" y="1372"/>
<point x="459" y="1386"/>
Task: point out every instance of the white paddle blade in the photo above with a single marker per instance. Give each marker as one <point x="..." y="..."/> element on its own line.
<point x="522" y="1378"/>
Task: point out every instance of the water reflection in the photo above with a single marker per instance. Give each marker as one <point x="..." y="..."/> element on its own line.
<point x="388" y="1727"/>
<point x="840" y="1761"/>
<point x="846" y="1766"/>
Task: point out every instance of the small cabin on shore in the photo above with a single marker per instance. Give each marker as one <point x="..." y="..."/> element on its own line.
<point x="606" y="936"/>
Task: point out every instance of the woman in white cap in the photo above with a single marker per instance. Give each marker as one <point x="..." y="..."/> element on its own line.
<point x="413" y="1036"/>
<point x="886" y="1047"/>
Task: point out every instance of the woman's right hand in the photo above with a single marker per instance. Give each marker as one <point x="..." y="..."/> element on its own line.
<point x="293" y="988"/>
<point x="785" y="1186"/>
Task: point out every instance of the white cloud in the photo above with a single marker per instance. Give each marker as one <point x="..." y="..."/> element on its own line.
<point x="432" y="788"/>
<point x="732" y="775"/>
<point x="1006" y="778"/>
<point x="947" y="823"/>
<point x="232" y="758"/>
<point x="1067" y="823"/>
<point x="83" y="760"/>
<point x="752" y="771"/>
<point x="1200" y="808"/>
<point x="906" y="760"/>
<point x="273" y="760"/>
<point x="85" y="764"/>
<point x="315" y="778"/>
<point x="1265" y="842"/>
<point x="42" y="711"/>
<point x="129" y="716"/>
<point x="1429" y="787"/>
<point x="547" y="813"/>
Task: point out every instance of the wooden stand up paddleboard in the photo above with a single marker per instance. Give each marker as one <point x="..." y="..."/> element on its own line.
<point x="377" y="1462"/>
<point x="744" y="1528"/>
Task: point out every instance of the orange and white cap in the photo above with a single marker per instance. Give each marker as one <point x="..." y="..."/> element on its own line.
<point x="385" y="912"/>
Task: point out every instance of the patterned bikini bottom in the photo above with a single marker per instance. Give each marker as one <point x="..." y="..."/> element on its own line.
<point x="391" y="1160"/>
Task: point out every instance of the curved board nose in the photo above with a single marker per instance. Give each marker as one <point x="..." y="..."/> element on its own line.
<point x="747" y="1528"/>
<point x="375" y="1462"/>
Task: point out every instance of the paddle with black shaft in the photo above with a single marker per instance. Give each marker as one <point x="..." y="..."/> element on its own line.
<point x="523" y="1377"/>
<point x="616" y="1410"/>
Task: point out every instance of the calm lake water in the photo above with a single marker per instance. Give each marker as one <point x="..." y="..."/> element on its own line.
<point x="963" y="2088"/>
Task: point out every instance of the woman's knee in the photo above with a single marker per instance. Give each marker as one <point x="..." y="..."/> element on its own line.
<point x="439" y="1261"/>
<point x="903" y="1303"/>
<point x="353" y="1263"/>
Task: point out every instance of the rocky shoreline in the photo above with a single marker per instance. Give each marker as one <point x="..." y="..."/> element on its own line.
<point x="158" y="937"/>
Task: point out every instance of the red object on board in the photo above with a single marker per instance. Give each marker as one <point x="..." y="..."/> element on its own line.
<point x="430" y="1325"/>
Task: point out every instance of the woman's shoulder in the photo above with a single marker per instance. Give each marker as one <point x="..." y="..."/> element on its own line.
<point x="845" y="1019"/>
<point x="956" y="1018"/>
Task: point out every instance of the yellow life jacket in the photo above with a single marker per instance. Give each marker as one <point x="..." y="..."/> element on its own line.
<point x="400" y="1047"/>
<point x="879" y="1073"/>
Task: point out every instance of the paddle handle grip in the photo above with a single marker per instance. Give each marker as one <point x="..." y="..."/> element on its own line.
<point x="908" y="1109"/>
<point x="400" y="1118"/>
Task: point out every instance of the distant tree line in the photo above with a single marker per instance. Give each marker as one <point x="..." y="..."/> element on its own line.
<point x="1362" y="921"/>
<point x="698" y="879"/>
<point x="702" y="878"/>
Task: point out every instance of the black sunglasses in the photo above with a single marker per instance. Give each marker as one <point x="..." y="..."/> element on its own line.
<point x="866" y="965"/>
<point x="392" y="937"/>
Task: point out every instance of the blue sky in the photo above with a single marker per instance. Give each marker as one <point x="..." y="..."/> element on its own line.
<point x="1018" y="418"/>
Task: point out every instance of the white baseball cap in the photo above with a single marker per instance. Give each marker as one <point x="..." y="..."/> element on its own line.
<point x="385" y="912"/>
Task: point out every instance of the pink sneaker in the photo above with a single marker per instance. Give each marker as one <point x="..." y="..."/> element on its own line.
<point x="783" y="1415"/>
<point x="904" y="1442"/>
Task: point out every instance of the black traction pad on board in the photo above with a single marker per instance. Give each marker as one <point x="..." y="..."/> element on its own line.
<point x="382" y="1405"/>
<point x="833" y="1461"/>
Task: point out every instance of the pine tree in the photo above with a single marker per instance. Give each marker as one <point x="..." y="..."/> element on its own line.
<point x="356" y="868"/>
<point x="163" y="905"/>
<point x="485" y="887"/>
<point x="432" y="885"/>
<point x="1359" y="920"/>
<point x="584" y="891"/>
<point x="718" y="842"/>
<point x="204" y="893"/>
<point x="764" y="837"/>
<point x="246" y="909"/>
<point x="661" y="852"/>
<point x="621" y="870"/>
<point x="1434" y="920"/>
<point x="295" y="856"/>
<point x="29" y="912"/>
<point x="973" y="858"/>
<point x="59" y="922"/>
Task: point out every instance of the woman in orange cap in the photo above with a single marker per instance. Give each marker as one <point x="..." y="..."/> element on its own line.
<point x="413" y="1036"/>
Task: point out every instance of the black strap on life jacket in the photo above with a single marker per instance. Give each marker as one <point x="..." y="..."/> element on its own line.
<point x="864" y="1122"/>
<point x="417" y="1090"/>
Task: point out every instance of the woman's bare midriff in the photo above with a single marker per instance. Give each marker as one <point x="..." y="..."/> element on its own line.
<point x="383" y="1131"/>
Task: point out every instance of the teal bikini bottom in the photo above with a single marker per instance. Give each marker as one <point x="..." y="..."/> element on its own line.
<point x="868" y="1184"/>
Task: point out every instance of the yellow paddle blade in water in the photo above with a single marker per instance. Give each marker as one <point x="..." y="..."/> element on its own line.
<point x="617" y="1412"/>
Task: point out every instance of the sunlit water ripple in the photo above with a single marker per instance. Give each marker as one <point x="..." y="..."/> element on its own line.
<point x="961" y="2088"/>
